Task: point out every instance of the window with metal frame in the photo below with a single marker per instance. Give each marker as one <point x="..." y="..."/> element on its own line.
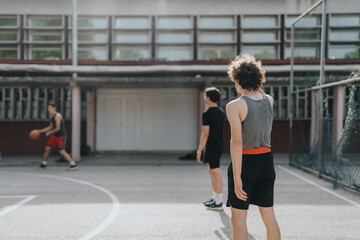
<point x="174" y="38"/>
<point x="30" y="103"/>
<point x="9" y="36"/>
<point x="344" y="36"/>
<point x="307" y="36"/>
<point x="93" y="42"/>
<point x="216" y="37"/>
<point x="131" y="38"/>
<point x="280" y="94"/>
<point x="260" y="36"/>
<point x="44" y="37"/>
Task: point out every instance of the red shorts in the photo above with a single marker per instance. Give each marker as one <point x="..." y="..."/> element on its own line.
<point x="58" y="142"/>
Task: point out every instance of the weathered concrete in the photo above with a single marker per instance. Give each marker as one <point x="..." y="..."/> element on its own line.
<point x="172" y="7"/>
<point x="161" y="202"/>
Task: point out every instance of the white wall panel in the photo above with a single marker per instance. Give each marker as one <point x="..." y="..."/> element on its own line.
<point x="148" y="119"/>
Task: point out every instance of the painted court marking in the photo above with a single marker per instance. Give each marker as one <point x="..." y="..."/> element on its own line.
<point x="320" y="187"/>
<point x="115" y="203"/>
<point x="26" y="199"/>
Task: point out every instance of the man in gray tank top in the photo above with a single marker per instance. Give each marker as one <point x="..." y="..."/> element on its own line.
<point x="251" y="173"/>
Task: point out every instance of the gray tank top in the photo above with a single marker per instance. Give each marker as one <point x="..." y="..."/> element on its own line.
<point x="257" y="125"/>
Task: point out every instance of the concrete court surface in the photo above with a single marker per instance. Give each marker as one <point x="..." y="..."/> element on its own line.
<point x="160" y="202"/>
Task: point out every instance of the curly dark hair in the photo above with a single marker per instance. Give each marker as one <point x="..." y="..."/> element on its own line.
<point x="247" y="72"/>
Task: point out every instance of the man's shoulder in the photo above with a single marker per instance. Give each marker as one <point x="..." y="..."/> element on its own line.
<point x="58" y="116"/>
<point x="238" y="104"/>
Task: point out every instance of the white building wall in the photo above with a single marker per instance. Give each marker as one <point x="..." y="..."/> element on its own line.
<point x="153" y="119"/>
<point x="171" y="7"/>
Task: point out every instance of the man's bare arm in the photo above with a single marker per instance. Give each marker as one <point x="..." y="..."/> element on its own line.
<point x="46" y="129"/>
<point x="204" y="137"/>
<point x="233" y="111"/>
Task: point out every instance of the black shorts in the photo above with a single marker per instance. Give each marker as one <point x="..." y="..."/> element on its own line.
<point x="258" y="177"/>
<point x="213" y="158"/>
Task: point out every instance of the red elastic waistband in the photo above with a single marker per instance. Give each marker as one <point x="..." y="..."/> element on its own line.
<point x="258" y="150"/>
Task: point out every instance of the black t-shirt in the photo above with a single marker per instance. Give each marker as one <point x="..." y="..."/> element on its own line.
<point x="62" y="132"/>
<point x="214" y="117"/>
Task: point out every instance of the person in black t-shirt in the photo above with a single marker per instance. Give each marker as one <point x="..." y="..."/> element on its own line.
<point x="212" y="140"/>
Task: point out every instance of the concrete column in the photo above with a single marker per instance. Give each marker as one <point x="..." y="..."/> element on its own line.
<point x="315" y="97"/>
<point x="76" y="123"/>
<point x="338" y="114"/>
<point x="90" y="120"/>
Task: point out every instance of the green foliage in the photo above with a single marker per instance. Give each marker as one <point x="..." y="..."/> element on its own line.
<point x="85" y="23"/>
<point x="130" y="55"/>
<point x="353" y="54"/>
<point x="8" y="53"/>
<point x="8" y="36"/>
<point x="43" y="22"/>
<point x="46" y="55"/>
<point x="214" y="53"/>
<point x="86" y="54"/>
<point x="265" y="55"/>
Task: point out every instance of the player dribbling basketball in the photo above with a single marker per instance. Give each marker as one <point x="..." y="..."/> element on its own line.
<point x="56" y="131"/>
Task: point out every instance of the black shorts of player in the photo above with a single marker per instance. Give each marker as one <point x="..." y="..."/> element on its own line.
<point x="213" y="158"/>
<point x="258" y="177"/>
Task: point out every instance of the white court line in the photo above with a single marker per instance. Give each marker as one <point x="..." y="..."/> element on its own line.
<point x="114" y="211"/>
<point x="19" y="204"/>
<point x="321" y="187"/>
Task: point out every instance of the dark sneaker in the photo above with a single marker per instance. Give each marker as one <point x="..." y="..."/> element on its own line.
<point x="42" y="166"/>
<point x="208" y="202"/>
<point x="215" y="206"/>
<point x="72" y="168"/>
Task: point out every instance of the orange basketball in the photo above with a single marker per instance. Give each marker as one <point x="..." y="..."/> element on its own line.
<point x="34" y="134"/>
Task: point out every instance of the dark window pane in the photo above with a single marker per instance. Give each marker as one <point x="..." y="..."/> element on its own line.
<point x="259" y="36"/>
<point x="174" y="53"/>
<point x="133" y="22"/>
<point x="45" y="22"/>
<point x="92" y="37"/>
<point x="304" y="51"/>
<point x="343" y="20"/>
<point x="207" y="53"/>
<point x="216" y="22"/>
<point x="4" y="53"/>
<point x="8" y="21"/>
<point x="174" y="22"/>
<point x="132" y="37"/>
<point x="46" y="54"/>
<point x="216" y="37"/>
<point x="342" y="52"/>
<point x="308" y="21"/>
<point x="257" y="22"/>
<point x="92" y="22"/>
<point x="41" y="36"/>
<point x="131" y="53"/>
<point x="305" y="34"/>
<point x="93" y="53"/>
<point x="260" y="52"/>
<point x="8" y="36"/>
<point x="174" y="37"/>
<point x="344" y="35"/>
